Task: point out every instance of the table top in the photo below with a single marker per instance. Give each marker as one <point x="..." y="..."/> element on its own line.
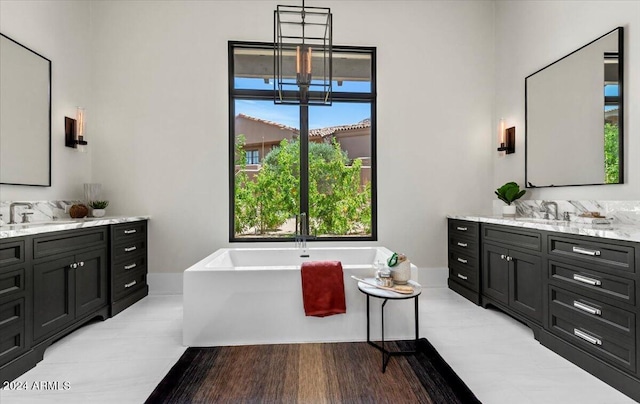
<point x="387" y="294"/>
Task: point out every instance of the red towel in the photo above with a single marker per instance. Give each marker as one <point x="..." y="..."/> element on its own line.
<point x="323" y="288"/>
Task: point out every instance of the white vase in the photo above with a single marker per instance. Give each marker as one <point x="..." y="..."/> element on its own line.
<point x="509" y="211"/>
<point x="401" y="273"/>
<point x="98" y="212"/>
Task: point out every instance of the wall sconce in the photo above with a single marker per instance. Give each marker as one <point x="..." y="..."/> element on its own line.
<point x="74" y="131"/>
<point x="507" y="138"/>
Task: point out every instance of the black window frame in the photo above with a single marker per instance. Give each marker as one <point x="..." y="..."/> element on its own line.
<point x="235" y="94"/>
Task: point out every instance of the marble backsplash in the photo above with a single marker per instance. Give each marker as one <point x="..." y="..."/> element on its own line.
<point x="621" y="212"/>
<point x="43" y="211"/>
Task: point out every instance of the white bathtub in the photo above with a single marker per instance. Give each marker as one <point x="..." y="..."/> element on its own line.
<point x="244" y="296"/>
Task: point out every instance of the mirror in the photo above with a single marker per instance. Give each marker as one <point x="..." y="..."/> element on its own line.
<point x="573" y="112"/>
<point x="25" y="115"/>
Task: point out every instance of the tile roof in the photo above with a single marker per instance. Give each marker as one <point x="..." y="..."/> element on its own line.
<point x="322" y="132"/>
<point x="279" y="125"/>
<point x="331" y="130"/>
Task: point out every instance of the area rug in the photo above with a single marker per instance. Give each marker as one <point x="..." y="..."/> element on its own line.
<point x="311" y="373"/>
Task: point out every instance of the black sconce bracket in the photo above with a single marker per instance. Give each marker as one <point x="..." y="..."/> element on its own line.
<point x="70" y="134"/>
<point x="510" y="146"/>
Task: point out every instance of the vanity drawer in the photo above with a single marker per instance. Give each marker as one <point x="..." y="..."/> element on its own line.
<point x="11" y="253"/>
<point x="597" y="312"/>
<point x="463" y="228"/>
<point x="11" y="283"/>
<point x="464" y="245"/>
<point x="131" y="249"/>
<point x="12" y="330"/>
<point x="124" y="285"/>
<point x="129" y="231"/>
<point x="512" y="236"/>
<point x="464" y="276"/>
<point x="593" y="283"/>
<point x="596" y="337"/>
<point x="69" y="241"/>
<point x="462" y="260"/>
<point x="593" y="251"/>
<point x="129" y="265"/>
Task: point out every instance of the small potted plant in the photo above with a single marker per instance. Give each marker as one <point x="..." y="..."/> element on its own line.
<point x="98" y="208"/>
<point x="508" y="193"/>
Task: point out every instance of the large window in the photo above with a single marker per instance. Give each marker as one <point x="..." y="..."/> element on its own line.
<point x="291" y="159"/>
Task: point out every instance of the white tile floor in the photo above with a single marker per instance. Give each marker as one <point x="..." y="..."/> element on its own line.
<point x="122" y="359"/>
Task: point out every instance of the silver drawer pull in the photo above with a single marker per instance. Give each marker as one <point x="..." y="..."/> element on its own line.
<point x="129" y="249"/>
<point x="127" y="267"/>
<point x="587" y="308"/>
<point x="463" y="277"/>
<point x="461" y="228"/>
<point x="584" y="279"/>
<point x="464" y="261"/>
<point x="130" y="284"/>
<point x="462" y="244"/>
<point x="587" y="337"/>
<point x="584" y="251"/>
<point x="130" y="231"/>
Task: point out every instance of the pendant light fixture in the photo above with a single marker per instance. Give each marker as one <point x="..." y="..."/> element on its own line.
<point x="302" y="53"/>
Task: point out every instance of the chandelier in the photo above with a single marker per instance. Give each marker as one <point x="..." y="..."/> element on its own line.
<point x="302" y="53"/>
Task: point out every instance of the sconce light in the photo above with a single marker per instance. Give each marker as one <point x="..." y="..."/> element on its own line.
<point x="74" y="131"/>
<point x="507" y="138"/>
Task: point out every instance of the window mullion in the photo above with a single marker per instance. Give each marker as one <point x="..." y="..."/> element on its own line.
<point x="304" y="163"/>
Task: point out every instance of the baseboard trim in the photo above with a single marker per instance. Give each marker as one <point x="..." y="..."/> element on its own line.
<point x="169" y="283"/>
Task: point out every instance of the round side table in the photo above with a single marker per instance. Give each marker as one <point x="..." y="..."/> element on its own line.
<point x="371" y="291"/>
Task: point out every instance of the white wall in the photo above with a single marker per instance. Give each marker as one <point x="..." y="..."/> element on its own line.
<point x="161" y="115"/>
<point x="60" y="31"/>
<point x="530" y="35"/>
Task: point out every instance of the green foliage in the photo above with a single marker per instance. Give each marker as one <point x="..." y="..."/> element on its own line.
<point x="509" y="192"/>
<point x="611" y="154"/>
<point x="99" y="204"/>
<point x="338" y="204"/>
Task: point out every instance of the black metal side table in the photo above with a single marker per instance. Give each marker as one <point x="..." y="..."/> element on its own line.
<point x="371" y="291"/>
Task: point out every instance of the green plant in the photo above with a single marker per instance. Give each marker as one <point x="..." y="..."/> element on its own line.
<point x="99" y="204"/>
<point x="509" y="192"/>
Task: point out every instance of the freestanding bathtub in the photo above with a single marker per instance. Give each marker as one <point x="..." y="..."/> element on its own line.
<point x="243" y="296"/>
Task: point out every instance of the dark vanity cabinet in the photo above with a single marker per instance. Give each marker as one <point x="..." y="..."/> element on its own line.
<point x="15" y="290"/>
<point x="512" y="272"/>
<point x="577" y="293"/>
<point x="69" y="278"/>
<point x="128" y="265"/>
<point x="464" y="259"/>
<point x="53" y="283"/>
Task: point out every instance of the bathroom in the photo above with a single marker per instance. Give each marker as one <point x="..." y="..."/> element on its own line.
<point x="153" y="77"/>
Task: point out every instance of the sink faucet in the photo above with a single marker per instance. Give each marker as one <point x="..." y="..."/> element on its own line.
<point x="12" y="211"/>
<point x="545" y="206"/>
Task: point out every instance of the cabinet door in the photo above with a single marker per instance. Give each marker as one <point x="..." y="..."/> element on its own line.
<point x="525" y="289"/>
<point x="90" y="281"/>
<point x="52" y="296"/>
<point x="495" y="273"/>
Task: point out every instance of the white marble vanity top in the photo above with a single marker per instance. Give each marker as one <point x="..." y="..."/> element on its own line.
<point x="626" y="232"/>
<point x="28" y="229"/>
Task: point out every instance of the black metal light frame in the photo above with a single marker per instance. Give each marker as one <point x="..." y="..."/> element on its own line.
<point x="300" y="35"/>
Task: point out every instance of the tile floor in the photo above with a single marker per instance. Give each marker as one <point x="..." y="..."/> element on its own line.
<point x="122" y="359"/>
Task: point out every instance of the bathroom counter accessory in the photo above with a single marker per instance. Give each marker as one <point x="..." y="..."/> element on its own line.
<point x="30" y="229"/>
<point x="370" y="289"/>
<point x="625" y="232"/>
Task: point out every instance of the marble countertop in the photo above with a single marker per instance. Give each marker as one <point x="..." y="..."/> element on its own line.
<point x="28" y="229"/>
<point x="626" y="232"/>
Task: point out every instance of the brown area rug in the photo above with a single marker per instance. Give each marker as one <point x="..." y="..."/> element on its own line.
<point x="311" y="373"/>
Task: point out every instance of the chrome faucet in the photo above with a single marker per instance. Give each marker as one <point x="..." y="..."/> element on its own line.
<point x="12" y="212"/>
<point x="301" y="231"/>
<point x="545" y="205"/>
